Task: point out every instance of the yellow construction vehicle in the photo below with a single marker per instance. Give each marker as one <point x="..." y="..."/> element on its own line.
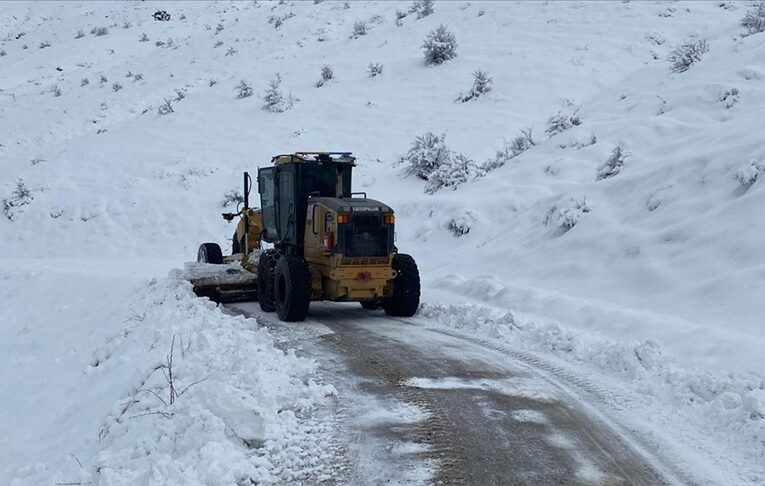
<point x="328" y="243"/>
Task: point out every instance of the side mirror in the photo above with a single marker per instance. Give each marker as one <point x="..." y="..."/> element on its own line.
<point x="228" y="216"/>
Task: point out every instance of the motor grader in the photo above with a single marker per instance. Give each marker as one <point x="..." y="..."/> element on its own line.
<point x="325" y="243"/>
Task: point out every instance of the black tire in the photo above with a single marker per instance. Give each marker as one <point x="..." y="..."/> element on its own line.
<point x="292" y="286"/>
<point x="210" y="253"/>
<point x="371" y="304"/>
<point x="266" y="265"/>
<point x="406" y="288"/>
<point x="235" y="245"/>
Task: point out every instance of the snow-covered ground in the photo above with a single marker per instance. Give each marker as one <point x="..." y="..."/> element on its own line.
<point x="649" y="279"/>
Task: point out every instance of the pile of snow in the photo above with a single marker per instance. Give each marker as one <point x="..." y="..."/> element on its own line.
<point x="240" y="410"/>
<point x="717" y="412"/>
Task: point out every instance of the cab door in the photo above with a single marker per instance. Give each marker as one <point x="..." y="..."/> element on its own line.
<point x="268" y="197"/>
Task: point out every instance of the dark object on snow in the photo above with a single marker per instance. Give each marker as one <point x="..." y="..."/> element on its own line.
<point x="161" y="15"/>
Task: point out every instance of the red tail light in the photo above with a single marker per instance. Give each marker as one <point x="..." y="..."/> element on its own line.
<point x="329" y="240"/>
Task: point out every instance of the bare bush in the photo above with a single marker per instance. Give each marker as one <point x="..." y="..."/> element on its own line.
<point x="232" y="197"/>
<point x="728" y="97"/>
<point x="400" y="15"/>
<point x="231" y="51"/>
<point x="99" y="31"/>
<point x="44" y="44"/>
<point x="428" y="152"/>
<point x="168" y="370"/>
<point x="565" y="214"/>
<point x="102" y="79"/>
<point x="562" y="122"/>
<point x="166" y="107"/>
<point x="687" y="54"/>
<point x="137" y="77"/>
<point x="359" y="28"/>
<point x="440" y="46"/>
<point x="754" y="20"/>
<point x="455" y="171"/>
<point x="422" y="8"/>
<point x="21" y="196"/>
<point x="430" y="159"/>
<point x="462" y="223"/>
<point x="481" y="85"/>
<point x="55" y="90"/>
<point x="374" y="69"/>
<point x="243" y="90"/>
<point x="116" y="87"/>
<point x="3" y="53"/>
<point x="79" y="35"/>
<point x="749" y="174"/>
<point x="613" y="164"/>
<point x="326" y="75"/>
<point x="143" y="38"/>
<point x="519" y="144"/>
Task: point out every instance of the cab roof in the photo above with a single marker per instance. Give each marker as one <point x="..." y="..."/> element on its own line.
<point x="315" y="157"/>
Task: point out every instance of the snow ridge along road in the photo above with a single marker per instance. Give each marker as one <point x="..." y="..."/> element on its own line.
<point x="488" y="415"/>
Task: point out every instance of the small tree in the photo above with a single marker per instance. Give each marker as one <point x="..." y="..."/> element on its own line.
<point x="273" y="99"/>
<point x="440" y="46"/>
<point x="481" y="85"/>
<point x="99" y="31"/>
<point x="243" y="90"/>
<point x="686" y="55"/>
<point x="754" y="21"/>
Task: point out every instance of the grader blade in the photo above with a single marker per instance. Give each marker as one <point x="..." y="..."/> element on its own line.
<point x="222" y="283"/>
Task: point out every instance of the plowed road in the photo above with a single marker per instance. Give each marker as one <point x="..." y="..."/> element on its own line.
<point x="428" y="406"/>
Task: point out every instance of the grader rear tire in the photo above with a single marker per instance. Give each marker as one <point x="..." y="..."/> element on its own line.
<point x="292" y="285"/>
<point x="406" y="288"/>
<point x="266" y="265"/>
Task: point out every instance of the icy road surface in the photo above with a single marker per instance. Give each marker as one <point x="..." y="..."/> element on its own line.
<point x="425" y="406"/>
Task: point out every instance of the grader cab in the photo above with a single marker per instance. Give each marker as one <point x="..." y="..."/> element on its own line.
<point x="328" y="243"/>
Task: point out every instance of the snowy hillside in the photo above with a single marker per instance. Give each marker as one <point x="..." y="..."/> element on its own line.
<point x="623" y="234"/>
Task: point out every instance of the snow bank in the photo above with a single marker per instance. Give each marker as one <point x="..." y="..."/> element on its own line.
<point x="88" y="346"/>
<point x="719" y="411"/>
<point x="236" y="412"/>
